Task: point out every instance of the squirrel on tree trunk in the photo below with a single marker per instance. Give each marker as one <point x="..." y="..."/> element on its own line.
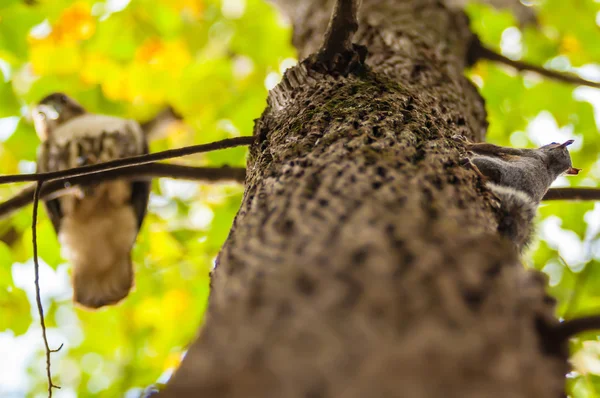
<point x="519" y="178"/>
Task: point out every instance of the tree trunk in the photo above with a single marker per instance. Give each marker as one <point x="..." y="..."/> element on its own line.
<point x="364" y="260"/>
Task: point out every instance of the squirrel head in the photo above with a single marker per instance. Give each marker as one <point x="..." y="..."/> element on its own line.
<point x="557" y="158"/>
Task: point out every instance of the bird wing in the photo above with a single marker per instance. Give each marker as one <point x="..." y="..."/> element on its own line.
<point x="52" y="206"/>
<point x="140" y="194"/>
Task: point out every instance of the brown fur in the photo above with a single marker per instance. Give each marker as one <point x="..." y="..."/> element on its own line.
<point x="97" y="234"/>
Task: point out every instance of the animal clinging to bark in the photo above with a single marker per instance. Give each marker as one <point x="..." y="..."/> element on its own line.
<point x="96" y="225"/>
<point x="519" y="178"/>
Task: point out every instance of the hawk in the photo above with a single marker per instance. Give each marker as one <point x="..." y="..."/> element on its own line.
<point x="96" y="225"/>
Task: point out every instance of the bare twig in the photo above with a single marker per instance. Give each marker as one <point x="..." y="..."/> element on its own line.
<point x="572" y="194"/>
<point x="338" y="55"/>
<point x="129" y="161"/>
<point x="342" y="26"/>
<point x="38" y="299"/>
<point x="479" y="51"/>
<point x="137" y="172"/>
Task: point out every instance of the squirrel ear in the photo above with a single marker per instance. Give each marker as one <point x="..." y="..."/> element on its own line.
<point x="566" y="143"/>
<point x="573" y="171"/>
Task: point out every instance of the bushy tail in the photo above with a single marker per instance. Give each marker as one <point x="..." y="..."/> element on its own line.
<point x="518" y="211"/>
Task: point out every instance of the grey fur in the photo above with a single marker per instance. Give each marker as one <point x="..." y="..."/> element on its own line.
<point x="517" y="214"/>
<point x="519" y="178"/>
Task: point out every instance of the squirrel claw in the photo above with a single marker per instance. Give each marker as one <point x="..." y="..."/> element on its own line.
<point x="460" y="138"/>
<point x="467" y="162"/>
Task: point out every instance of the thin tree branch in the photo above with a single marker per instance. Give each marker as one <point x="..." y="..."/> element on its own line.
<point x="479" y="51"/>
<point x="129" y="161"/>
<point x="38" y="299"/>
<point x="567" y="329"/>
<point x="145" y="171"/>
<point x="572" y="194"/>
<point x="209" y="174"/>
<point x="342" y="26"/>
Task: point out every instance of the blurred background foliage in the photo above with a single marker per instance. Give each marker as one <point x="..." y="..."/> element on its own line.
<point x="213" y="62"/>
<point x="525" y="110"/>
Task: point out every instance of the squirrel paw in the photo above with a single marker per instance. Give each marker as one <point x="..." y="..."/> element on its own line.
<point x="466" y="162"/>
<point x="460" y="138"/>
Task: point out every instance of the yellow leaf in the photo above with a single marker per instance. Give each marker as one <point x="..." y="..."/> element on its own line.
<point x="147" y="312"/>
<point x="172" y="361"/>
<point x="74" y="24"/>
<point x="99" y="69"/>
<point x="570" y="45"/>
<point x="117" y="88"/>
<point x="193" y="8"/>
<point x="171" y="306"/>
<point x="138" y="76"/>
<point x="164" y="247"/>
<point x="480" y="69"/>
<point x="176" y="303"/>
<point x="166" y="56"/>
<point x="48" y="59"/>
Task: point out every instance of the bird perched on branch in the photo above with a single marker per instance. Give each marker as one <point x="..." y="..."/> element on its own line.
<point x="96" y="225"/>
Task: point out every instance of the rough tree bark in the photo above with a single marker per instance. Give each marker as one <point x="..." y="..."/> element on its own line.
<point x="364" y="260"/>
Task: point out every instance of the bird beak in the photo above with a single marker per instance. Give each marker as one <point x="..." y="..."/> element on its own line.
<point x="573" y="171"/>
<point x="566" y="144"/>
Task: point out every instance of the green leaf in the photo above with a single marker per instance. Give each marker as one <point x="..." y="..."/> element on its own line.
<point x="10" y="103"/>
<point x="22" y="144"/>
<point x="16" y="313"/>
<point x="6" y="261"/>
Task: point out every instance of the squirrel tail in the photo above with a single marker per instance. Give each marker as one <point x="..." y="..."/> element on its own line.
<point x="518" y="210"/>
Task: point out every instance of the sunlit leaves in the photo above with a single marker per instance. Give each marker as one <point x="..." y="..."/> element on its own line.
<point x="10" y="105"/>
<point x="15" y="311"/>
<point x="22" y="143"/>
<point x="489" y="23"/>
<point x="525" y="108"/>
<point x="14" y="305"/>
<point x="50" y="59"/>
<point x="16" y="21"/>
<point x="579" y="40"/>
